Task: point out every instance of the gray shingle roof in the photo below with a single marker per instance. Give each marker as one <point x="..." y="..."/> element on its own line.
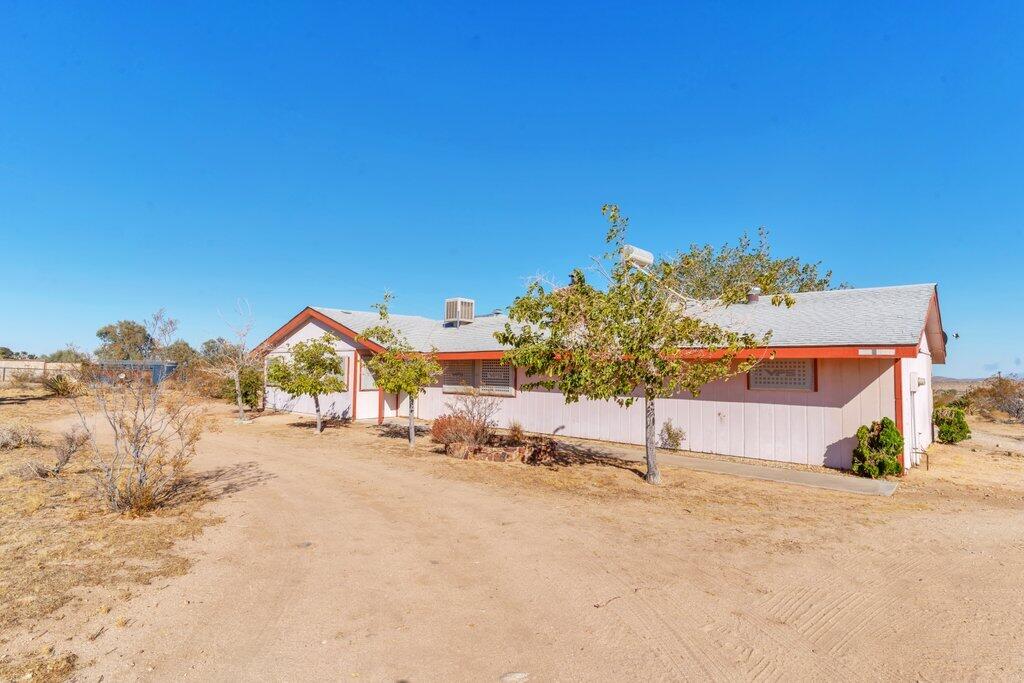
<point x="843" y="317"/>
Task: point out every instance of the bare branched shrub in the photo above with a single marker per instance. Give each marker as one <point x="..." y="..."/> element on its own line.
<point x="24" y="379"/>
<point x="70" y="442"/>
<point x="17" y="434"/>
<point x="147" y="432"/>
<point x="475" y="416"/>
<point x="998" y="394"/>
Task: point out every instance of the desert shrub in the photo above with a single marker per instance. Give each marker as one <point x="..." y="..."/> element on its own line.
<point x="998" y="394"/>
<point x="155" y="428"/>
<point x="449" y="429"/>
<point x="15" y="435"/>
<point x="251" y="380"/>
<point x="944" y="397"/>
<point x="60" y="385"/>
<point x="670" y="436"/>
<point x="878" y="450"/>
<point x="477" y="414"/>
<point x="952" y="424"/>
<point x="24" y="379"/>
<point x="69" y="443"/>
<point x="516" y="435"/>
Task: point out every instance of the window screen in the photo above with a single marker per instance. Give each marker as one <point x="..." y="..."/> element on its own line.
<point x="458" y="375"/>
<point x="496" y="378"/>
<point x="783" y="374"/>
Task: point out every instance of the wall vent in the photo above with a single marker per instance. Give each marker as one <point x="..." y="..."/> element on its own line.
<point x="458" y="311"/>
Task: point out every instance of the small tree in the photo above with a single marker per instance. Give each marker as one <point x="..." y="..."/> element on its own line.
<point x="399" y="368"/>
<point x="314" y="369"/>
<point x="642" y="336"/>
<point x="233" y="358"/>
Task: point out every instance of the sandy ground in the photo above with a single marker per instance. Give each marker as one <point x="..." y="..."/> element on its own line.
<point x="346" y="557"/>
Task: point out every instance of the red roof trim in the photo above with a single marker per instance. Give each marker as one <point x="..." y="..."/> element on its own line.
<point x="305" y="315"/>
<point x="898" y="351"/>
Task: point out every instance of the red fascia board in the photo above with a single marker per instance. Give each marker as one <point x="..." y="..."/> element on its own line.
<point x="809" y="352"/>
<point x="304" y="316"/>
<point x="898" y="351"/>
<point x="470" y="355"/>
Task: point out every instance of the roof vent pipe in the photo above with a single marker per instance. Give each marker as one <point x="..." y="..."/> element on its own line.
<point x="753" y="295"/>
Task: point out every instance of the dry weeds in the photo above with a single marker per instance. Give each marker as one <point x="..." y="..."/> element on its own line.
<point x="56" y="538"/>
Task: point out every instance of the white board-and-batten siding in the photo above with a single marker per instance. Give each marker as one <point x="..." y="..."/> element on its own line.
<point x="728" y="418"/>
<point x="808" y="427"/>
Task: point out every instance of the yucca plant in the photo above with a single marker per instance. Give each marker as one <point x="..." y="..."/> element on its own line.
<point x="61" y="385"/>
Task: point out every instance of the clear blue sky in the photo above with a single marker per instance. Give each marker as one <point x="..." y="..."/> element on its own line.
<point x="182" y="154"/>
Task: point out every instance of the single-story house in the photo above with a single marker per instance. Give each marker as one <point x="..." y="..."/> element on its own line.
<point x="838" y="359"/>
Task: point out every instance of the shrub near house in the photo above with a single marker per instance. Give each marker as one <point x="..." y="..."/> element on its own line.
<point x="952" y="424"/>
<point x="878" y="450"/>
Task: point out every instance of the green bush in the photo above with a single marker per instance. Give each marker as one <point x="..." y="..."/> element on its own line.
<point x="952" y="424"/>
<point x="251" y="380"/>
<point x="878" y="450"/>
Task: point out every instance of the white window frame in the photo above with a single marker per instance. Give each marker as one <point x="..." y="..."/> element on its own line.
<point x="496" y="366"/>
<point x="364" y="372"/>
<point x="462" y="387"/>
<point x="760" y="377"/>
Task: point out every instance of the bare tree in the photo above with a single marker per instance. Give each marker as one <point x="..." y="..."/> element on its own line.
<point x="231" y="357"/>
<point x="154" y="428"/>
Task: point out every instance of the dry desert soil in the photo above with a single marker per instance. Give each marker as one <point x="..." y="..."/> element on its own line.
<point x="347" y="557"/>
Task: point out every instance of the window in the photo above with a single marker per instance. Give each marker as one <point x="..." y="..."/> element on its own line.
<point x="366" y="379"/>
<point x="458" y="376"/>
<point x="786" y="375"/>
<point x="496" y="378"/>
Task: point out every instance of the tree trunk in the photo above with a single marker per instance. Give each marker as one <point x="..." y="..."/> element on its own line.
<point x="319" y="423"/>
<point x="412" y="423"/>
<point x="238" y="397"/>
<point x="653" y="473"/>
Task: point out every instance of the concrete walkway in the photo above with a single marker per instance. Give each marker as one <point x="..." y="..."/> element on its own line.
<point x="785" y="475"/>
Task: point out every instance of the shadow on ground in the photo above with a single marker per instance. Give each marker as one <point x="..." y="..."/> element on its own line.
<point x="391" y="430"/>
<point x="327" y="422"/>
<point x="22" y="399"/>
<point x="219" y="482"/>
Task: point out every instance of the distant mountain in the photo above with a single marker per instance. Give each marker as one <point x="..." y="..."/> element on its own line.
<point x="956" y="383"/>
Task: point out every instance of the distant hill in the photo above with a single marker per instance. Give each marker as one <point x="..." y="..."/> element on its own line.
<point x="940" y="383"/>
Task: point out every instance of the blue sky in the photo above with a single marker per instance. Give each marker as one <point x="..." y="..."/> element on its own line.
<point x="181" y="155"/>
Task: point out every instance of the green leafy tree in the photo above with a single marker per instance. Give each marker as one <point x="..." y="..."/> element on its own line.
<point x="635" y="338"/>
<point x="729" y="272"/>
<point x="180" y="352"/>
<point x="6" y="353"/>
<point x="125" y="340"/>
<point x="399" y="368"/>
<point x="67" y="355"/>
<point x="315" y="369"/>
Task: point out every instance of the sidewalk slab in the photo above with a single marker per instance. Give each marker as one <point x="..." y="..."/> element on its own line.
<point x="819" y="480"/>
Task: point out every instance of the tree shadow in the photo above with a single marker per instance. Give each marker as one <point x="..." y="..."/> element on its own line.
<point x="220" y="482"/>
<point x="558" y="454"/>
<point x="327" y="422"/>
<point x="392" y="430"/>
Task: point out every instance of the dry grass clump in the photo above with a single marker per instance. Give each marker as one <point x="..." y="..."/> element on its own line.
<point x="17" y="434"/>
<point x="55" y="538"/>
<point x="44" y="666"/>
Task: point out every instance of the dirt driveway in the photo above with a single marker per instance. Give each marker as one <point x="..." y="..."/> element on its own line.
<point x="344" y="557"/>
